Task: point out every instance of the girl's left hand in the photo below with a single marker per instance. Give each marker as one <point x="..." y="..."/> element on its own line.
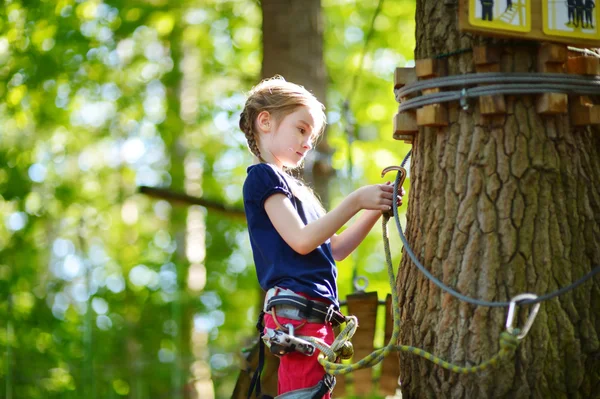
<point x="401" y="194"/>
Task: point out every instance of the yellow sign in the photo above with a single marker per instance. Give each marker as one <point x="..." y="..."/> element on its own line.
<point x="571" y="18"/>
<point x="510" y="15"/>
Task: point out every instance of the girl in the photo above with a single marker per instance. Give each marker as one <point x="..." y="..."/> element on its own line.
<point x="294" y="242"/>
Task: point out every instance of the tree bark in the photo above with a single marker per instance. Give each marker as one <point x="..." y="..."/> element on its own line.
<point x="500" y="206"/>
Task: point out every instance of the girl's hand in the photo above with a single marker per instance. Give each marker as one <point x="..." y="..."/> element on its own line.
<point x="377" y="197"/>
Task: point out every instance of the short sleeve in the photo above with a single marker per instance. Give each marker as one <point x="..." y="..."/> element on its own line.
<point x="262" y="182"/>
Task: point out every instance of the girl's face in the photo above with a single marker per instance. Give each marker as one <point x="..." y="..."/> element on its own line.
<point x="287" y="142"/>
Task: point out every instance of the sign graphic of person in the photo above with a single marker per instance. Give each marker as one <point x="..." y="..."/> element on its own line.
<point x="505" y="15"/>
<point x="570" y="10"/>
<point x="487" y="10"/>
<point x="578" y="13"/>
<point x="588" y="7"/>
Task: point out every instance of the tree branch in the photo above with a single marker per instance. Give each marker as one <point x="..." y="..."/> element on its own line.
<point x="184" y="199"/>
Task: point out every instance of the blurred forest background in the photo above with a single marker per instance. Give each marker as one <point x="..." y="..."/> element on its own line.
<point x="106" y="292"/>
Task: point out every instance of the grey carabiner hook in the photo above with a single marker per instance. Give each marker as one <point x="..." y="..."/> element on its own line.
<point x="511" y="315"/>
<point x="360" y="283"/>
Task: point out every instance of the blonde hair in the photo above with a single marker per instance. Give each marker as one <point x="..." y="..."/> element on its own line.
<point x="279" y="98"/>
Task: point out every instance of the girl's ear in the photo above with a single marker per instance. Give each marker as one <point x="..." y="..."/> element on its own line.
<point x="264" y="121"/>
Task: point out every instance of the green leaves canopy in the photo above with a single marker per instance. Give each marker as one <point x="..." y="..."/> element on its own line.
<point x="99" y="98"/>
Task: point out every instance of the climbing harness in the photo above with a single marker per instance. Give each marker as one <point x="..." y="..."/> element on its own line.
<point x="281" y="302"/>
<point x="281" y="342"/>
<point x="293" y="306"/>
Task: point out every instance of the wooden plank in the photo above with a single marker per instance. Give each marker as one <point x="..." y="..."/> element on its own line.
<point x="552" y="103"/>
<point x="536" y="32"/>
<point x="404" y="76"/>
<point x="486" y="55"/>
<point x="435" y="115"/>
<point x="431" y="68"/>
<point x="553" y="53"/>
<point x="405" y="123"/>
<point x="583" y="65"/>
<point x="390" y="367"/>
<point x="363" y="305"/>
<point x="407" y="138"/>
<point x="487" y="59"/>
<point x="552" y="58"/>
<point x="492" y="105"/>
<point x="582" y="112"/>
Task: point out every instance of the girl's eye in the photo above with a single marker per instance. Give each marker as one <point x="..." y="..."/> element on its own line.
<point x="302" y="131"/>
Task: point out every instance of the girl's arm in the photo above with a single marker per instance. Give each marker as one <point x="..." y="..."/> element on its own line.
<point x="305" y="238"/>
<point x="345" y="243"/>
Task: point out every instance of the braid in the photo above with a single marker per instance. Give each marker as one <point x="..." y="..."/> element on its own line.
<point x="246" y="127"/>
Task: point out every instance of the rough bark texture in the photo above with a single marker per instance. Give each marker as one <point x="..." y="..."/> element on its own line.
<point x="498" y="207"/>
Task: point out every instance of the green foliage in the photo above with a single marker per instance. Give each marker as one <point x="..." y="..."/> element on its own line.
<point x="98" y="98"/>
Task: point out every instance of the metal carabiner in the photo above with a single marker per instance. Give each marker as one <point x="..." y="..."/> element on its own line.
<point x="511" y="314"/>
<point x="402" y="172"/>
<point x="400" y="169"/>
<point x="360" y="283"/>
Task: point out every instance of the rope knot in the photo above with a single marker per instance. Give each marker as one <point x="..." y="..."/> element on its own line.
<point x="509" y="342"/>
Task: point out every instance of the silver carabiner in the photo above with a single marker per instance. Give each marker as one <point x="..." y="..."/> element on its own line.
<point x="290" y="328"/>
<point x="360" y="283"/>
<point x="511" y="314"/>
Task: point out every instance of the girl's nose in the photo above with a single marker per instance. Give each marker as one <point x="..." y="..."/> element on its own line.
<point x="307" y="145"/>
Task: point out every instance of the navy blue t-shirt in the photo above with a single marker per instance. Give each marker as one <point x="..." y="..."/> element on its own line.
<point x="277" y="264"/>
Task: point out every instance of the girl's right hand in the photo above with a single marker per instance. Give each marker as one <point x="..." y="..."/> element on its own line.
<point x="375" y="197"/>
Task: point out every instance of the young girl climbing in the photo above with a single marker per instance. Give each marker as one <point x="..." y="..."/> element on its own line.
<point x="294" y="242"/>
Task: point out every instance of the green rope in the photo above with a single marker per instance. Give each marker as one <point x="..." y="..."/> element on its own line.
<point x="508" y="342"/>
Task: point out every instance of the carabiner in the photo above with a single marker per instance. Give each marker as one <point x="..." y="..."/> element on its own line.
<point x="360" y="283"/>
<point x="402" y="172"/>
<point x="400" y="169"/>
<point x="511" y="315"/>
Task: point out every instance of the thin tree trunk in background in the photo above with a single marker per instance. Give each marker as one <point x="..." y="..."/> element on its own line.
<point x="498" y="207"/>
<point x="293" y="48"/>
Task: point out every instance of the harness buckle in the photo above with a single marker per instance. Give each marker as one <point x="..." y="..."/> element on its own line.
<point x="330" y="313"/>
<point x="282" y="343"/>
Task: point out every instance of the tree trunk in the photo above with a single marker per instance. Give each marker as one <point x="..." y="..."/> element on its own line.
<point x="500" y="206"/>
<point x="293" y="48"/>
